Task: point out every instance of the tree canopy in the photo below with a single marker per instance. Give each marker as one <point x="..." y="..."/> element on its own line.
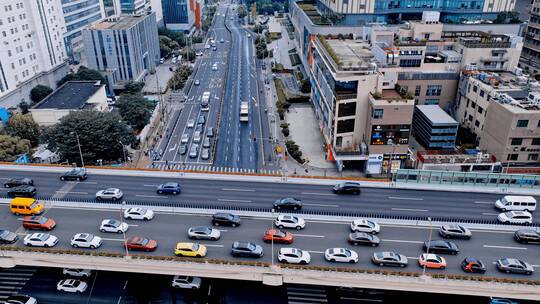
<point x="83" y="73"/>
<point x="11" y="147"/>
<point x="135" y="110"/>
<point x="24" y="126"/>
<point x="180" y="77"/>
<point x="133" y="87"/>
<point x="39" y="92"/>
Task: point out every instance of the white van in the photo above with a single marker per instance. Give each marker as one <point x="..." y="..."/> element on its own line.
<point x="516" y="203"/>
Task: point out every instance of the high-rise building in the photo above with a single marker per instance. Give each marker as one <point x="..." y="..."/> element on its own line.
<point x="530" y="57"/>
<point x="77" y="15"/>
<point x="132" y="6"/>
<point x="33" y="52"/>
<point x="182" y="15"/>
<point x="123" y="48"/>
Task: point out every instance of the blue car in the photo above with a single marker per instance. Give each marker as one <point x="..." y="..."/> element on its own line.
<point x="169" y="188"/>
<point x="502" y="301"/>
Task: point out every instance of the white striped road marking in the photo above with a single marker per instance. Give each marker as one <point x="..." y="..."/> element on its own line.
<point x="151" y="185"/>
<point x="237" y="189"/>
<point x="505" y="247"/>
<point x="406" y="198"/>
<point x="222" y="230"/>
<point x="136" y="225"/>
<point x="484" y="203"/>
<point x="310" y="251"/>
<point x="71" y="192"/>
<point x="412" y="258"/>
<point x="487" y="213"/>
<point x="308" y="235"/>
<point x="414" y="210"/>
<point x="403" y="241"/>
<point x="233" y="200"/>
<point x="317" y="193"/>
<point x="535" y="265"/>
<point x="322" y="205"/>
<point x="75" y="182"/>
<point x="116" y="240"/>
<point x="212" y="245"/>
<point x="151" y="196"/>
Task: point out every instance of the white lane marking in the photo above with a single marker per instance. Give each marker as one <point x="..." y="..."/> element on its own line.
<point x="237" y="189"/>
<point x="488" y="213"/>
<point x="151" y="185"/>
<point x="71" y="192"/>
<point x="308" y="235"/>
<point x="116" y="240"/>
<point x="406" y="198"/>
<point x="403" y="241"/>
<point x="2" y="178"/>
<point x="535" y="265"/>
<point x="414" y="210"/>
<point x="212" y="245"/>
<point x="483" y="203"/>
<point x="504" y="247"/>
<point x="322" y="205"/>
<point x="310" y="251"/>
<point x="233" y="200"/>
<point x="75" y="182"/>
<point x="135" y="225"/>
<point x="317" y="193"/>
<point x="151" y="196"/>
<point x="222" y="230"/>
<point x="412" y="258"/>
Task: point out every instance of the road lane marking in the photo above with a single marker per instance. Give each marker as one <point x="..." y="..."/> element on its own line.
<point x="310" y="251"/>
<point x="308" y="235"/>
<point x="414" y="210"/>
<point x="403" y="241"/>
<point x="322" y="205"/>
<point x="483" y="203"/>
<point x="535" y="265"/>
<point x="135" y="225"/>
<point x="488" y="213"/>
<point x="238" y="189"/>
<point x="71" y="192"/>
<point x="151" y="196"/>
<point x="150" y="185"/>
<point x="75" y="182"/>
<point x="505" y="247"/>
<point x="406" y="198"/>
<point x="233" y="200"/>
<point x="116" y="240"/>
<point x="317" y="193"/>
<point x="212" y="245"/>
<point x="412" y="258"/>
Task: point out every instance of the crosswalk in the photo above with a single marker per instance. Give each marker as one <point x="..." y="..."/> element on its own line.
<point x="12" y="280"/>
<point x="209" y="168"/>
<point x="304" y="294"/>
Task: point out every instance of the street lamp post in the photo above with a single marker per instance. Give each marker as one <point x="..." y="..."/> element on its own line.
<point x="429" y="241"/>
<point x="121" y="224"/>
<point x="124" y="151"/>
<point x="79" y="144"/>
<point x="272" y="241"/>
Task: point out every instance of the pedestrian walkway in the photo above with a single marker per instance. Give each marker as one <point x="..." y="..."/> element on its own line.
<point x="210" y="168"/>
<point x="303" y="294"/>
<point x="12" y="280"/>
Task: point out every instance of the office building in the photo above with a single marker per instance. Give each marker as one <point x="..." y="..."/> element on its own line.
<point x="530" y="57"/>
<point x="132" y="6"/>
<point x="182" y="15"/>
<point x="123" y="48"/>
<point x="77" y="15"/>
<point x="433" y="128"/>
<point x="33" y="51"/>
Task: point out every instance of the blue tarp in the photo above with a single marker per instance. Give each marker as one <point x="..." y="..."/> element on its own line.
<point x="4" y="115"/>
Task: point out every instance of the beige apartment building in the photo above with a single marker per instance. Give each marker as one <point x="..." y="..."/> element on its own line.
<point x="530" y="57"/>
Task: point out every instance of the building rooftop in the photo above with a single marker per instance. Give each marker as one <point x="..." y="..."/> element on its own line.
<point x="349" y="54"/>
<point x="72" y="95"/>
<point x="453" y="157"/>
<point x="118" y="22"/>
<point x="436" y="115"/>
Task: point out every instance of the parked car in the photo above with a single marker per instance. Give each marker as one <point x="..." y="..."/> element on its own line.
<point x="288" y="203"/>
<point x="343" y="255"/>
<point x="138" y="213"/>
<point x="112" y="225"/>
<point x="139" y="243"/>
<point x="86" y="240"/>
<point x="455" y="231"/>
<point x="22" y="191"/>
<point x="16" y="182"/>
<point x="278" y="236"/>
<point x="290" y="221"/>
<point x="38" y="222"/>
<point x="440" y="246"/>
<point x="430" y="260"/>
<point x="510" y="265"/>
<point x="71" y="285"/>
<point x="473" y="265"/>
<point x="362" y="225"/>
<point x="246" y="249"/>
<point x="204" y="233"/>
<point x="205" y="153"/>
<point x="293" y="256"/>
<point x="77" y="174"/>
<point x="388" y="258"/>
<point x="347" y="188"/>
<point x="527" y="236"/>
<point x="20" y="299"/>
<point x="363" y="238"/>
<point x="77" y="272"/>
<point x="186" y="282"/>
<point x="169" y="188"/>
<point x="225" y="219"/>
<point x="112" y="194"/>
<point x="8" y="237"/>
<point x="515" y="217"/>
<point x="40" y="240"/>
<point x="190" y="250"/>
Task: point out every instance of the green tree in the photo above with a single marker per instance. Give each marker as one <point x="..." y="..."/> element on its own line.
<point x="178" y="37"/>
<point x="11" y="147"/>
<point x="39" y="92"/>
<point x="24" y="126"/>
<point x="83" y="73"/>
<point x="99" y="133"/>
<point x="135" y="110"/>
<point x="167" y="45"/>
<point x="188" y="55"/>
<point x="180" y="77"/>
<point x="24" y="106"/>
<point x="242" y="12"/>
<point x="133" y="87"/>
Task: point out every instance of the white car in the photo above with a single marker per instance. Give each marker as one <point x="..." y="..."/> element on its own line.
<point x="515" y="217"/>
<point x="20" y="299"/>
<point x="40" y="240"/>
<point x="290" y="221"/>
<point x="293" y="256"/>
<point x="191" y="123"/>
<point x="214" y="67"/>
<point x="71" y="285"/>
<point x="204" y="233"/>
<point x="362" y="225"/>
<point x="197" y="82"/>
<point x="343" y="255"/>
<point x="185" y="138"/>
<point x="186" y="282"/>
<point x="109" y="194"/>
<point x="75" y="272"/>
<point x="115" y="226"/>
<point x="86" y="240"/>
<point x="197" y="137"/>
<point x="138" y="214"/>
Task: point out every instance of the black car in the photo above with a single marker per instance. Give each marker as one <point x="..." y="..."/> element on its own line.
<point x="201" y="120"/>
<point x="527" y="236"/>
<point x="77" y="174"/>
<point x="22" y="191"/>
<point x="20" y="299"/>
<point x="8" y="237"/>
<point x="225" y="219"/>
<point x="182" y="150"/>
<point x="362" y="238"/>
<point x="210" y="132"/>
<point x="288" y="203"/>
<point x="246" y="249"/>
<point x="16" y="182"/>
<point x="473" y="265"/>
<point x="347" y="188"/>
<point x="441" y="246"/>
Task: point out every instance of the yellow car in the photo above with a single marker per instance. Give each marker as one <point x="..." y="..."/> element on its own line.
<point x="190" y="250"/>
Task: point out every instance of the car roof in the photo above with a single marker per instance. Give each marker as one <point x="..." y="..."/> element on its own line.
<point x="286" y="250"/>
<point x="200" y="228"/>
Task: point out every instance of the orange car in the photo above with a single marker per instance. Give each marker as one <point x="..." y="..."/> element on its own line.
<point x="278" y="236"/>
<point x="38" y="222"/>
<point x="141" y="244"/>
<point x="431" y="260"/>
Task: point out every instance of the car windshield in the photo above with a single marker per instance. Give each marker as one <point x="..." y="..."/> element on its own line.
<point x="4" y="233"/>
<point x="42" y="220"/>
<point x="76" y="283"/>
<point x="42" y="237"/>
<point x="279" y="233"/>
<point x="114" y="223"/>
<point x="143" y="241"/>
<point x="195" y="247"/>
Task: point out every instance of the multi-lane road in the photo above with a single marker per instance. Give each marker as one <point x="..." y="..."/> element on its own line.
<point x="254" y="194"/>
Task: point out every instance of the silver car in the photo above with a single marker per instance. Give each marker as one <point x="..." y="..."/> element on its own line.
<point x="455" y="231"/>
<point x="206" y="143"/>
<point x="388" y="258"/>
<point x="510" y="265"/>
<point x="191" y="123"/>
<point x="197" y="137"/>
<point x="205" y="153"/>
<point x="194" y="151"/>
<point x="204" y="233"/>
<point x="185" y="138"/>
<point x="109" y="194"/>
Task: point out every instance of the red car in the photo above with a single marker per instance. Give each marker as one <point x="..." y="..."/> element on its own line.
<point x="38" y="222"/>
<point x="278" y="236"/>
<point x="141" y="244"/>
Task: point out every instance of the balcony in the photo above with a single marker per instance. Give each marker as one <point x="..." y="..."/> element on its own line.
<point x="344" y="95"/>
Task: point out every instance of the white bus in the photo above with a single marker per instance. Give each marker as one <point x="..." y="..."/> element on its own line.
<point x="244" y="111"/>
<point x="205" y="101"/>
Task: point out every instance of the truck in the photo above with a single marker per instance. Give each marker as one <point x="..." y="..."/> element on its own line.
<point x="244" y="111"/>
<point x="205" y="101"/>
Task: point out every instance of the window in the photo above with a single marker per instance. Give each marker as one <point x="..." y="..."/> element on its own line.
<point x="480" y="110"/>
<point x="538" y="125"/>
<point x="434" y="90"/>
<point x="470" y="118"/>
<point x="482" y="93"/>
<point x="512" y="157"/>
<point x="377" y="113"/>
<point x="417" y="90"/>
<point x="475" y="89"/>
<point x="535" y="142"/>
<point x="432" y="101"/>
<point x="344" y="126"/>
<point x="533" y="156"/>
<point x="347" y="109"/>
<point x="522" y="123"/>
<point x="477" y="123"/>
<point x="473" y="105"/>
<point x="516" y="141"/>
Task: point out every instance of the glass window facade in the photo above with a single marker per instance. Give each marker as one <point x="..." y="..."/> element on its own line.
<point x="175" y="11"/>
